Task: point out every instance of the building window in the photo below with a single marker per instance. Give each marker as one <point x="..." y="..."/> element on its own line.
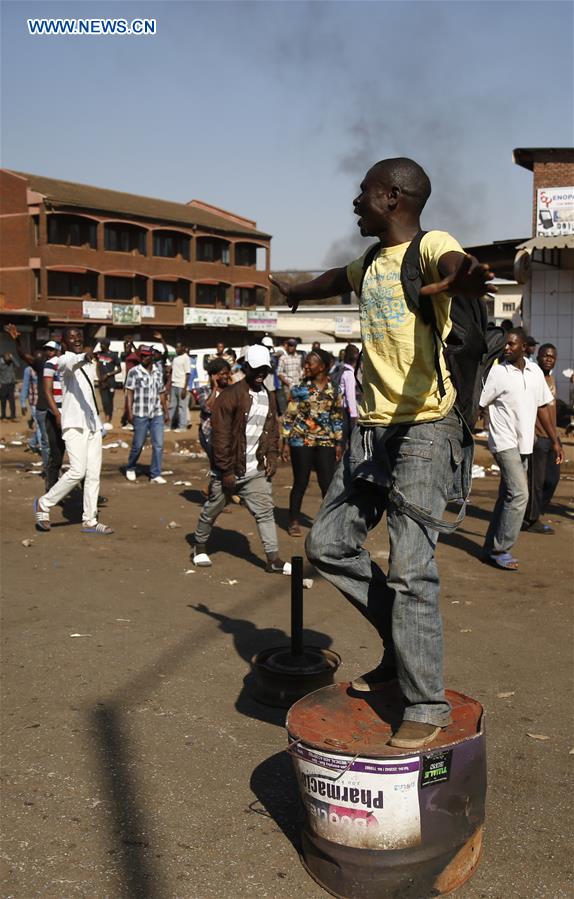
<point x="245" y="296"/>
<point x="36" y="285"/>
<point x="36" y="229"/>
<point x="72" y="231"/>
<point x="72" y="284"/>
<point x="508" y="307"/>
<point x="245" y="254"/>
<point x="170" y="291"/>
<point x="211" y="295"/>
<point x="118" y="288"/>
<point x="171" y="244"/>
<point x="119" y="238"/>
<point x="212" y="250"/>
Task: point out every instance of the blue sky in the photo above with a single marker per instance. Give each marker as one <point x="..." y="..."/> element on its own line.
<point x="276" y="109"/>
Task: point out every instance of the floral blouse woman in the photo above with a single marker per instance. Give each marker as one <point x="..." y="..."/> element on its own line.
<point x="312" y="431"/>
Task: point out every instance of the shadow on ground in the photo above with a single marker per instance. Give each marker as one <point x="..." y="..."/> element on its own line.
<point x="248" y="640"/>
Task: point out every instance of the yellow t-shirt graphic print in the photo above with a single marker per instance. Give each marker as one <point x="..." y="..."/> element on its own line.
<point x="399" y="376"/>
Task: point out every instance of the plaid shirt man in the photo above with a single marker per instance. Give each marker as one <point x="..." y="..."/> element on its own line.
<point x="290" y="367"/>
<point x="147" y="388"/>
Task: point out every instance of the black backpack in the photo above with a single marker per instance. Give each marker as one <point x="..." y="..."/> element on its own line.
<point x="470" y="348"/>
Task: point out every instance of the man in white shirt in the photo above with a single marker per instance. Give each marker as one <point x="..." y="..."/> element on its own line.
<point x="180" y="369"/>
<point x="515" y="393"/>
<point x="82" y="434"/>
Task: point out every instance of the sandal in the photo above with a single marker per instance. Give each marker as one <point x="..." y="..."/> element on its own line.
<point x="99" y="530"/>
<point x="294" y="530"/>
<point x="42" y="518"/>
<point x="503" y="560"/>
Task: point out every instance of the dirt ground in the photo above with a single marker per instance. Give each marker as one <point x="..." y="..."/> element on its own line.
<point x="135" y="761"/>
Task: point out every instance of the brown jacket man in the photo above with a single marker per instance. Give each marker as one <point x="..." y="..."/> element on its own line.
<point x="229" y="442"/>
<point x="246" y="409"/>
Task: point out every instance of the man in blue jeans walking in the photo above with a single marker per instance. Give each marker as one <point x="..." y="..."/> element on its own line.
<point x="406" y="448"/>
<point x="146" y="411"/>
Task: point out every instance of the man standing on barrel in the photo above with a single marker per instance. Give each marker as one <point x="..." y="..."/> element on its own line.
<point x="408" y="445"/>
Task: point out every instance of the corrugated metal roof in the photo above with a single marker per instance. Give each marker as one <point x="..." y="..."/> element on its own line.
<point x="562" y="242"/>
<point x="69" y="193"/>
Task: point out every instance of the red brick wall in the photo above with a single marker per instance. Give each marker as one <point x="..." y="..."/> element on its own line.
<point x="15" y="239"/>
<point x="550" y="174"/>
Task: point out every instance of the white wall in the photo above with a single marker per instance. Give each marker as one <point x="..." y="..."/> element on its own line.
<point x="550" y="316"/>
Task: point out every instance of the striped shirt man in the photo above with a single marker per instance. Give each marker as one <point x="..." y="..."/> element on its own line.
<point x="51" y="371"/>
<point x="254" y="427"/>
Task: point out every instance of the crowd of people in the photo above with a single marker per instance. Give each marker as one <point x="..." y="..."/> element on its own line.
<point x="381" y="429"/>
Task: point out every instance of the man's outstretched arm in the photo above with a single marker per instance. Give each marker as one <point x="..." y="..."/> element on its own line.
<point x="462" y="275"/>
<point x="329" y="284"/>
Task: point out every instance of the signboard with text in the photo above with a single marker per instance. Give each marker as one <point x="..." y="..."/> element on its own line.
<point x="215" y="318"/>
<point x="554" y="211"/>
<point x="148" y="311"/>
<point x="261" y="320"/>
<point x="95" y="309"/>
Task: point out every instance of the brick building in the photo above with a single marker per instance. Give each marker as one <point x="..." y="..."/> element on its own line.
<point x="548" y="294"/>
<point x="72" y="253"/>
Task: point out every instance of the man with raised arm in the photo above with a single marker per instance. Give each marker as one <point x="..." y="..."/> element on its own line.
<point x="406" y="448"/>
<point x="82" y="434"/>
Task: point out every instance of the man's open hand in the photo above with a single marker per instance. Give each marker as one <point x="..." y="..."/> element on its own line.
<point x="12" y="331"/>
<point x="285" y="289"/>
<point x="471" y="279"/>
<point x="229" y="483"/>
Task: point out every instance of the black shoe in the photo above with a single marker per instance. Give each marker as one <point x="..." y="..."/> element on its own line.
<point x="536" y="527"/>
<point x="102" y="501"/>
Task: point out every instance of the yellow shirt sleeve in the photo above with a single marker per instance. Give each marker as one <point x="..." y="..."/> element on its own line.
<point x="434" y="245"/>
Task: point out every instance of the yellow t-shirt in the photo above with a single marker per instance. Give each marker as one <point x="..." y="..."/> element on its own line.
<point x="399" y="377"/>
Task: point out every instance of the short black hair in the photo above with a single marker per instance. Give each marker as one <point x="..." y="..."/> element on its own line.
<point x="520" y="332"/>
<point x="546" y="346"/>
<point x="350" y="353"/>
<point x="410" y="177"/>
<point x="217" y="365"/>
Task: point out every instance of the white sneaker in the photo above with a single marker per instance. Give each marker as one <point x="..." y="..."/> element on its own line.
<point x="127" y="427"/>
<point x="158" y="480"/>
<point x="108" y="426"/>
<point x="130" y="475"/>
<point x="201" y="559"/>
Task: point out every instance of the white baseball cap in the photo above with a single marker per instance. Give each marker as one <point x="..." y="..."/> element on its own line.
<point x="257" y="355"/>
<point x="267" y="341"/>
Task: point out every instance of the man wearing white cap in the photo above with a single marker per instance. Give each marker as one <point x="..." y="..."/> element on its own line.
<point x="245" y="446"/>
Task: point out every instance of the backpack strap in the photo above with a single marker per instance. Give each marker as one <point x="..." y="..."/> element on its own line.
<point x="412" y="280"/>
<point x="368" y="258"/>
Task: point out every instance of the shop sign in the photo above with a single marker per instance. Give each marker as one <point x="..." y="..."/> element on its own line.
<point x="148" y="311"/>
<point x="261" y="320"/>
<point x="554" y="211"/>
<point x="215" y="318"/>
<point x="124" y="314"/>
<point x="345" y="327"/>
<point x="95" y="309"/>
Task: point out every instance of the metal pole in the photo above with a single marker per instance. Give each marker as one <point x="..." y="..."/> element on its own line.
<point x="296" y="606"/>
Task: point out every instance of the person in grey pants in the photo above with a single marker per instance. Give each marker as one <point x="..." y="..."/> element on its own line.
<point x="408" y="444"/>
<point x="517" y="396"/>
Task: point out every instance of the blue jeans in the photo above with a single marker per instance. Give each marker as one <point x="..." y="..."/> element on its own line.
<point x="510" y="506"/>
<point x="406" y="471"/>
<point x="143" y="426"/>
<point x="39" y="416"/>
